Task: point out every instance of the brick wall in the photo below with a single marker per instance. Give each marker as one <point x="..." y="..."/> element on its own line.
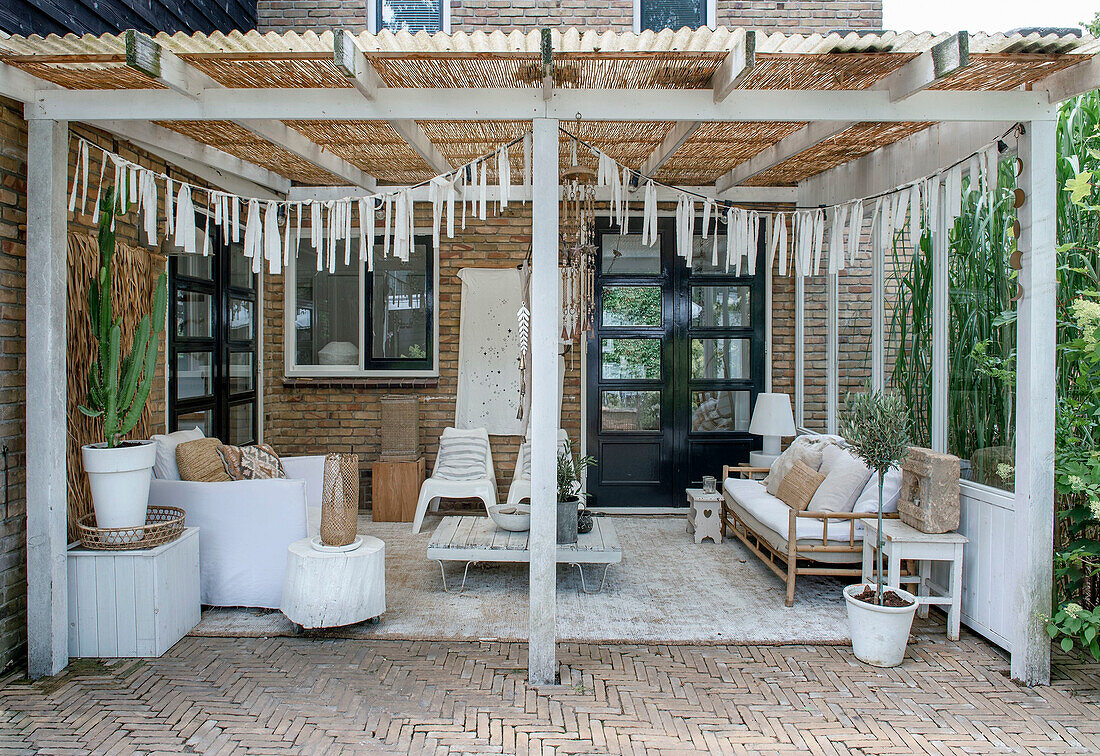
<point x="13" y="389"/>
<point x="791" y="16"/>
<point x="302" y="417"/>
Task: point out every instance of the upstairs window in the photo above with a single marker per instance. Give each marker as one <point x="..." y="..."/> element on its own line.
<point x="656" y="15"/>
<point x="411" y="15"/>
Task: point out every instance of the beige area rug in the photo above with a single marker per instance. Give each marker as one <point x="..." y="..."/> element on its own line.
<point x="667" y="589"/>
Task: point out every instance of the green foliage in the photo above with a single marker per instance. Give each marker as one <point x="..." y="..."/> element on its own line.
<point x="118" y="386"/>
<point x="877" y="428"/>
<point x="570" y="468"/>
<point x="1073" y="625"/>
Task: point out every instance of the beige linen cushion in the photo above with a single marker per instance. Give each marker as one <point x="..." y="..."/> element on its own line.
<point x="199" y="460"/>
<point x="798" y="486"/>
<point x="845" y="476"/>
<point x="805" y="449"/>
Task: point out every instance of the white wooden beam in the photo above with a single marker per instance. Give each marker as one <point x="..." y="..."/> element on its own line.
<point x="47" y="489"/>
<point x="945" y="58"/>
<point x="168" y="142"/>
<point x="808" y="136"/>
<point x="422" y="104"/>
<point x="676" y="136"/>
<point x="908" y="159"/>
<point x="1035" y="402"/>
<point x="1070" y="82"/>
<point x="219" y="178"/>
<point x="832" y="349"/>
<point x="354" y="64"/>
<point x="20" y="85"/>
<point x="941" y="321"/>
<point x="145" y="54"/>
<point x="737" y="64"/>
<point x="747" y="194"/>
<point x="545" y="325"/>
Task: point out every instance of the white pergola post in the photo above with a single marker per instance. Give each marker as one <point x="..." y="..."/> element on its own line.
<point x="1035" y="405"/>
<point x="799" y="349"/>
<point x="940" y="321"/>
<point x="832" y="348"/>
<point x="545" y="324"/>
<point x="47" y="591"/>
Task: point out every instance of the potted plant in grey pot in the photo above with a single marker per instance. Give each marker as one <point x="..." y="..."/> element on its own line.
<point x="876" y="426"/>
<point x="118" y="387"/>
<point x="570" y="498"/>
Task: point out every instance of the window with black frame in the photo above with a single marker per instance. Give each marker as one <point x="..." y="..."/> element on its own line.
<point x="410" y="15"/>
<point x="656" y="15"/>
<point x="348" y="320"/>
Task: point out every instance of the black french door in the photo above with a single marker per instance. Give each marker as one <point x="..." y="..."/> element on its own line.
<point x="675" y="361"/>
<point x="212" y="357"/>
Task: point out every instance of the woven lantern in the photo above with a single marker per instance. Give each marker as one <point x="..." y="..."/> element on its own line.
<point x="340" y="499"/>
<point x="399" y="431"/>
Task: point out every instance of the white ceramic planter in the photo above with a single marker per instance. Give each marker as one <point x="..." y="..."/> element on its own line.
<point x="879" y="633"/>
<point x="119" y="479"/>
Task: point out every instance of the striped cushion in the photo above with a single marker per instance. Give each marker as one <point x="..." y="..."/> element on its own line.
<point x="461" y="458"/>
<point x="525" y="460"/>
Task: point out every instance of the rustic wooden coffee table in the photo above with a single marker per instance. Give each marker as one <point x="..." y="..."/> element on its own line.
<point x="473" y="539"/>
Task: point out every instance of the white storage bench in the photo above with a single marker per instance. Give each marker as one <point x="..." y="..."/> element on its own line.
<point x="133" y="603"/>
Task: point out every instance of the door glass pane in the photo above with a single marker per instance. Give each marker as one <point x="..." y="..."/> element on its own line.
<point x="327" y="317"/>
<point x="632" y="306"/>
<point x="240" y="424"/>
<point x="400" y="307"/>
<point x="720" y="358"/>
<point x="673" y="14"/>
<point x="703" y="255"/>
<point x="194" y="374"/>
<point x="240" y="319"/>
<point x="630" y="410"/>
<point x="719" y="411"/>
<point x="638" y="359"/>
<point x="240" y="268"/>
<point x="202" y="419"/>
<point x="626" y="255"/>
<point x="719" y="306"/>
<point x="194" y="314"/>
<point x="240" y="372"/>
<point x="195" y="266"/>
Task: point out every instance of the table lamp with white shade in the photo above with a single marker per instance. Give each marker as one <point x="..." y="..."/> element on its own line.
<point x="772" y="418"/>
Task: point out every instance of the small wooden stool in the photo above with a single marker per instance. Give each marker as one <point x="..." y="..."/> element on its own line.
<point x="704" y="516"/>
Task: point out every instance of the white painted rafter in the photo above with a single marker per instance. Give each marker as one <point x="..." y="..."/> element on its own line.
<point x="676" y="136"/>
<point x="808" y="136"/>
<point x="145" y="54"/>
<point x="944" y="59"/>
<point x="1072" y="81"/>
<point x="355" y="65"/>
<point x="737" y="64"/>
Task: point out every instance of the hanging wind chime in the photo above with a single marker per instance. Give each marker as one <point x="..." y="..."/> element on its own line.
<point x="578" y="249"/>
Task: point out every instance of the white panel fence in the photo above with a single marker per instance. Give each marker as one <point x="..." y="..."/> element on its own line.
<point x="988" y="519"/>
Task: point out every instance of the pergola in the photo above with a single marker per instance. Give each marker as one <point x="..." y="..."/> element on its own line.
<point x="738" y="115"/>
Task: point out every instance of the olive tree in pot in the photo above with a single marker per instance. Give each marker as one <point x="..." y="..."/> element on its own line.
<point x="570" y="498"/>
<point x="118" y="387"/>
<point x="876" y="426"/>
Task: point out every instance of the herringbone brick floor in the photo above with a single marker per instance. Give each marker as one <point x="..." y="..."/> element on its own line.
<point x="326" y="695"/>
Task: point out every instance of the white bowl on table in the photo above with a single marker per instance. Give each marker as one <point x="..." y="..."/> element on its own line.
<point x="512" y="517"/>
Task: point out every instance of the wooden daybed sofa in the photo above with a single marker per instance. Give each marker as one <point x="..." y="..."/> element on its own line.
<point x="793" y="543"/>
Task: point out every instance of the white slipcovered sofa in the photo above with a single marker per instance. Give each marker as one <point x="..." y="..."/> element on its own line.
<point x="793" y="543"/>
<point x="245" y="527"/>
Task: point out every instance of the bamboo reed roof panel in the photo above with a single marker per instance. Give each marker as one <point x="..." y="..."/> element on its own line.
<point x="827" y="71"/>
<point x="238" y="141"/>
<point x="373" y="146"/>
<point x="78" y="74"/>
<point x="716" y="147"/>
<point x="850" y="144"/>
<point x="1004" y="72"/>
<point x="293" y="71"/>
<point x="462" y="141"/>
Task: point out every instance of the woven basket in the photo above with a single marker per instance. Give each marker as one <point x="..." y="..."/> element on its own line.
<point x="162" y="525"/>
<point x="400" y="428"/>
<point x="340" y="499"/>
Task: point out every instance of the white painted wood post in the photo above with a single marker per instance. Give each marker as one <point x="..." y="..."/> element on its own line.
<point x="799" y="349"/>
<point x="768" y="298"/>
<point x="47" y="599"/>
<point x="878" y="307"/>
<point x="940" y="317"/>
<point x="545" y="324"/>
<point x="1035" y="402"/>
<point x="832" y="347"/>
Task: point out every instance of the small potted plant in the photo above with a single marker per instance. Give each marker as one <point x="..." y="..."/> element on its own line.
<point x="118" y="387"/>
<point x="876" y="426"/>
<point x="570" y="498"/>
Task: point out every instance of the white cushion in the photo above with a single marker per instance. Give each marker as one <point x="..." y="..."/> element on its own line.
<point x="845" y="478"/>
<point x="891" y="492"/>
<point x="165" y="468"/>
<point x="775" y="515"/>
<point x="806" y="449"/>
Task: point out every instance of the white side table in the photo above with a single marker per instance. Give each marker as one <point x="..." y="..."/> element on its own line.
<point x="334" y="588"/>
<point x="704" y="516"/>
<point x="137" y="602"/>
<point x="904" y="542"/>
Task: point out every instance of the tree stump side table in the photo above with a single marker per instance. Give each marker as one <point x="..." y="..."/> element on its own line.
<point x="334" y="588"/>
<point x="704" y="516"/>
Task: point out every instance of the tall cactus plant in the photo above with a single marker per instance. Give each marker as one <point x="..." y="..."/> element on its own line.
<point x="118" y="387"/>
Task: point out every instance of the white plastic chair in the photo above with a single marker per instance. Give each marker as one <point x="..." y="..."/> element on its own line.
<point x="457" y="474"/>
<point x="520" y="488"/>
